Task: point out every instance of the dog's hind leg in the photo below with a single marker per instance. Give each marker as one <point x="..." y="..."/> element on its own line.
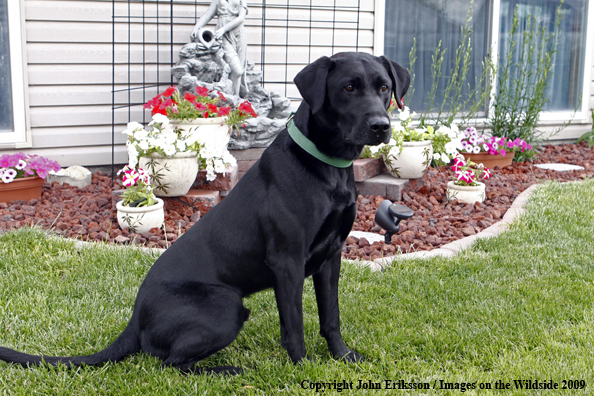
<point x="197" y="328"/>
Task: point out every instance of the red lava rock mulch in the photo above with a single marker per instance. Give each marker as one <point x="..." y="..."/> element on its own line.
<point x="89" y="214"/>
<point x="437" y="222"/>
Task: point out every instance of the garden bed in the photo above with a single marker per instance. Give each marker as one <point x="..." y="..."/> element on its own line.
<point x="89" y="213"/>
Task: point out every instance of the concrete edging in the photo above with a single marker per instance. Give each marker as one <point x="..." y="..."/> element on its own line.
<point x="453" y="248"/>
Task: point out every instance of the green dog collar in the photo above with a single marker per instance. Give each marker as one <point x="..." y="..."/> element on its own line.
<point x="311" y="148"/>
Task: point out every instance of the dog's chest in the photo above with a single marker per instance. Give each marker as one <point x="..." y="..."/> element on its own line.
<point x="333" y="230"/>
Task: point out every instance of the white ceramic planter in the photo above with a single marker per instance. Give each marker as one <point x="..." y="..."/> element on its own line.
<point x="141" y="219"/>
<point x="412" y="162"/>
<point x="209" y="131"/>
<point x="172" y="176"/>
<point x="468" y="194"/>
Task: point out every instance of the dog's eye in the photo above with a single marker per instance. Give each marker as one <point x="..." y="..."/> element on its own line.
<point x="384" y="88"/>
<point x="349" y="88"/>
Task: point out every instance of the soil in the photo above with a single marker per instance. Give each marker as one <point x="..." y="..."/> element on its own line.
<point x="89" y="214"/>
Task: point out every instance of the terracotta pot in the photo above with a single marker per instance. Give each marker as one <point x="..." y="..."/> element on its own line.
<point x="172" y="176"/>
<point x="412" y="162"/>
<point x="141" y="219"/>
<point x="491" y="161"/>
<point x="468" y="194"/>
<point x="25" y="189"/>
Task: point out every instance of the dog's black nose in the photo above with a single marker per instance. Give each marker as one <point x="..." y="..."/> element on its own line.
<point x="379" y="124"/>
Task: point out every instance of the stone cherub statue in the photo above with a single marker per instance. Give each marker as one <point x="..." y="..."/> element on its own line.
<point x="218" y="61"/>
<point x="231" y="34"/>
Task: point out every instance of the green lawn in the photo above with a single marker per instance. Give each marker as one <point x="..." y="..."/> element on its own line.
<point x="518" y="306"/>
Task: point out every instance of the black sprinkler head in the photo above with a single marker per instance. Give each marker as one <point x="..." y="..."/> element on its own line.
<point x="389" y="215"/>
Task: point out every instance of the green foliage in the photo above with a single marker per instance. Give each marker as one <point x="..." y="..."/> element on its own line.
<point x="456" y="104"/>
<point x="588" y="137"/>
<point x="522" y="82"/>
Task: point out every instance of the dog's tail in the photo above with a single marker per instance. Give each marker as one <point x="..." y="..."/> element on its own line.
<point x="126" y="344"/>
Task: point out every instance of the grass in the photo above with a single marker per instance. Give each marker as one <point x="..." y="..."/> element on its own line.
<point x="518" y="306"/>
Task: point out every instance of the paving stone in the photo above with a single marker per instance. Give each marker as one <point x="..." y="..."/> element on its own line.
<point x="367" y="168"/>
<point x="385" y="185"/>
<point x="560" y="167"/>
<point x="223" y="182"/>
<point x="76" y="176"/>
<point x="209" y="197"/>
<point x="370" y="236"/>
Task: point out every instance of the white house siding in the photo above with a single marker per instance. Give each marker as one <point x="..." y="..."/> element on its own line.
<point x="69" y="58"/>
<point x="69" y="62"/>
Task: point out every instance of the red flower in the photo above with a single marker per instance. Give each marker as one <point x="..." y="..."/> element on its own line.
<point x="189" y="96"/>
<point x="199" y="106"/>
<point x="201" y="91"/>
<point x="223" y="111"/>
<point x="212" y="108"/>
<point x="169" y="91"/>
<point x="222" y="96"/>
<point x="246" y="107"/>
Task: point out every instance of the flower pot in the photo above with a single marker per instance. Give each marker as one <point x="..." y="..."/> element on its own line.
<point x="141" y="219"/>
<point x="25" y="189"/>
<point x="172" y="176"/>
<point x="213" y="132"/>
<point x="468" y="194"/>
<point x="491" y="161"/>
<point x="412" y="162"/>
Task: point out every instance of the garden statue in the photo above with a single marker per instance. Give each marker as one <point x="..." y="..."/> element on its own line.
<point x="231" y="34"/>
<point x="218" y="61"/>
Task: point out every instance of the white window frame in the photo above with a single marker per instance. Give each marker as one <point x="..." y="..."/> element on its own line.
<point x="21" y="135"/>
<point x="547" y="117"/>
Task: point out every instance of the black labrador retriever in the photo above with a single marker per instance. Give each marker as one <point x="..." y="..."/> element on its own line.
<point x="286" y="219"/>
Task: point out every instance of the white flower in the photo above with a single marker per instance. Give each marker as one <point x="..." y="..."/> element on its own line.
<point x="132" y="156"/>
<point x="160" y="119"/>
<point x="445" y="158"/>
<point x="181" y="145"/>
<point x="131" y="127"/>
<point x="21" y="165"/>
<point x="140" y="134"/>
<point x="398" y="128"/>
<point x="169" y="149"/>
<point x="477" y="149"/>
<point x="143" y="144"/>
<point x="404" y="114"/>
<point x="436" y="156"/>
<point x="6" y="178"/>
<point x="375" y="149"/>
<point x="228" y="158"/>
<point x="219" y="166"/>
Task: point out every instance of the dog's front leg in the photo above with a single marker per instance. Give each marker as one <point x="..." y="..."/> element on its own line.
<point x="288" y="289"/>
<point x="326" y="286"/>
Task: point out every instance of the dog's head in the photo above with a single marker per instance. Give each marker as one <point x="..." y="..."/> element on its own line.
<point x="350" y="93"/>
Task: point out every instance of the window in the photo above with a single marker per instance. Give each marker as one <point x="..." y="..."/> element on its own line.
<point x="12" y="83"/>
<point x="431" y="21"/>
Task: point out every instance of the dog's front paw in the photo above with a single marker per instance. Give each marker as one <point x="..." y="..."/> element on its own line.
<point x="352" y="357"/>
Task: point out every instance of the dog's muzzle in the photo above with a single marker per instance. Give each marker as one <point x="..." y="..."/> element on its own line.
<point x="380" y="129"/>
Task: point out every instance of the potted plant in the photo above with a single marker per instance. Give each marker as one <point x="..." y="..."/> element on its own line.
<point x="203" y="114"/>
<point x="22" y="176"/>
<point x="411" y="150"/>
<point x="173" y="157"/>
<point x="491" y="151"/>
<point x="139" y="210"/>
<point x="465" y="187"/>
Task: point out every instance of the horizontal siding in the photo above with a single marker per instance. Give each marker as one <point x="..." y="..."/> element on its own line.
<point x="70" y="53"/>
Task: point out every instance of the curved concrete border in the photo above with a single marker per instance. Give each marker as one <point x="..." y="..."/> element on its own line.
<point x="452" y="248"/>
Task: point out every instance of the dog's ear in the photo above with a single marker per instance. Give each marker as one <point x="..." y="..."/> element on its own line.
<point x="311" y="82"/>
<point x="400" y="79"/>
